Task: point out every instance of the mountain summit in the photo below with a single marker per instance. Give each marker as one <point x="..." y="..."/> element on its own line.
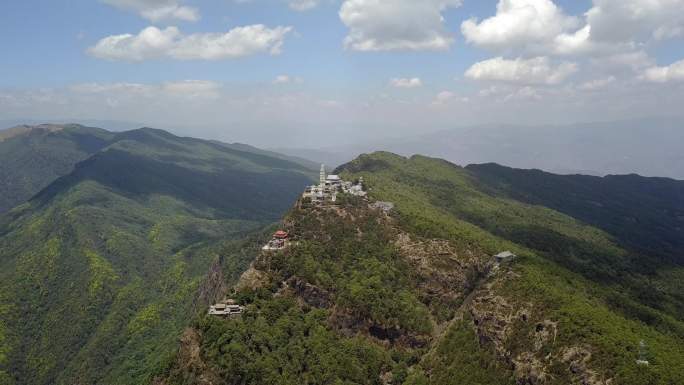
<point x="457" y="278"/>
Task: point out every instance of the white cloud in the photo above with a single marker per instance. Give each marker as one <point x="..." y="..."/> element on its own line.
<point x="282" y="79"/>
<point x="445" y="97"/>
<point x="578" y="42"/>
<point x="396" y="25"/>
<point x="329" y="103"/>
<point x="157" y="10"/>
<point x="673" y="72"/>
<point x="597" y="84"/>
<point x="634" y="60"/>
<point x="519" y="24"/>
<point x="192" y="89"/>
<point x="635" y="20"/>
<point x="609" y="26"/>
<point x="95" y="88"/>
<point x="287" y="79"/>
<point x="406" y="82"/>
<point x="303" y="5"/>
<point x="153" y="43"/>
<point x="537" y="70"/>
<point x="524" y="93"/>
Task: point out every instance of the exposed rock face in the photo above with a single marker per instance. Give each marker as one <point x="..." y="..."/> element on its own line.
<point x="252" y="279"/>
<point x="310" y="294"/>
<point x="499" y="320"/>
<point x="213" y="288"/>
<point x="529" y="370"/>
<point x="445" y="274"/>
<point x="577" y="359"/>
<point x="190" y="368"/>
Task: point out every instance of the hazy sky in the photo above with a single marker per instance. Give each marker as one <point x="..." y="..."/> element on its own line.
<point x="308" y="72"/>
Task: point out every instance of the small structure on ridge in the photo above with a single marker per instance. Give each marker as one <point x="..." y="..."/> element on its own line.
<point x="505" y="256"/>
<point x="227" y="308"/>
<point x="643" y="353"/>
<point x="279" y="241"/>
<point x="386" y="207"/>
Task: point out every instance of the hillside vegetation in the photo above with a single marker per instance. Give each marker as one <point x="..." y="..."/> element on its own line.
<point x="102" y="269"/>
<point x="416" y="297"/>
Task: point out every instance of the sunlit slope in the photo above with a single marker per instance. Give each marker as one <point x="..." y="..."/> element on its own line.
<point x="572" y="274"/>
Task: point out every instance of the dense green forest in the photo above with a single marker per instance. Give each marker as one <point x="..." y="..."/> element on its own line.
<point x="101" y="270"/>
<point x="415" y="297"/>
<point x="644" y="214"/>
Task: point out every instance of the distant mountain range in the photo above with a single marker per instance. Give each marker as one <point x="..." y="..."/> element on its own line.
<point x="649" y="147"/>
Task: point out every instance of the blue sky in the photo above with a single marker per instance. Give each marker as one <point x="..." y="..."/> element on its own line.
<point x="361" y="67"/>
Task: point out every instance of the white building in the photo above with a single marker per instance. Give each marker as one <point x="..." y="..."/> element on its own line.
<point x="227" y="309"/>
<point x="329" y="186"/>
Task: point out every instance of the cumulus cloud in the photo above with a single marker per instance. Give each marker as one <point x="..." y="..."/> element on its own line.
<point x="519" y="23"/>
<point x="537" y="70"/>
<point x="396" y="25"/>
<point x="635" y="20"/>
<point x="673" y="72"/>
<point x="157" y="10"/>
<point x="609" y="26"/>
<point x="406" y="82"/>
<point x="154" y="43"/>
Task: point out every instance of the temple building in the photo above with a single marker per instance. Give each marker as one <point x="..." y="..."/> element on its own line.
<point x="329" y="186"/>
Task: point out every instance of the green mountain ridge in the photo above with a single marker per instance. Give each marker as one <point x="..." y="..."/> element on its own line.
<point x="417" y="298"/>
<point x="101" y="269"/>
<point x="33" y="157"/>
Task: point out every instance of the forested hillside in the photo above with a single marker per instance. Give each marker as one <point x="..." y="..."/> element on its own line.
<point x="642" y="213"/>
<point x="102" y="269"/>
<point x="32" y="157"/>
<point x="416" y="297"/>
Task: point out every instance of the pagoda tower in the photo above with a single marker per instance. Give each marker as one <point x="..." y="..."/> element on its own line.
<point x="323" y="175"/>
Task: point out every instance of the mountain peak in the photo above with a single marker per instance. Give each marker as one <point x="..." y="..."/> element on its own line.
<point x="25" y="129"/>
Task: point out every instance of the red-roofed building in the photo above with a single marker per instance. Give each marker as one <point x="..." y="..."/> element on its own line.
<point x="280" y="234"/>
